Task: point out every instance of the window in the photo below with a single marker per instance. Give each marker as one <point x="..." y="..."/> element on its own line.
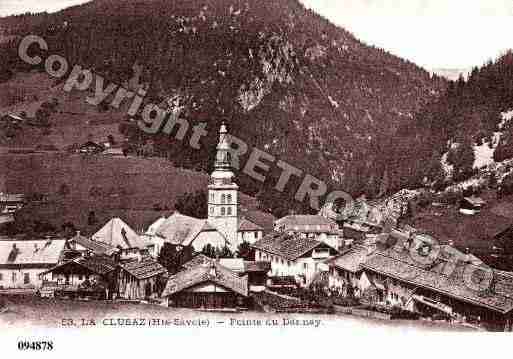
<point x="80" y="277"/>
<point x="223" y="211"/>
<point x="229" y="198"/>
<point x="1" y="277"/>
<point x="305" y="266"/>
<point x="26" y="278"/>
<point x="211" y="197"/>
<point x="229" y="211"/>
<point x="211" y="210"/>
<point x="223" y="199"/>
<point x="13" y="277"/>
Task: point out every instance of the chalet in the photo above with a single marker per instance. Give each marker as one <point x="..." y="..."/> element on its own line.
<point x="21" y="262"/>
<point x="294" y="255"/>
<point x="255" y="271"/>
<point x="116" y="233"/>
<point x="83" y="276"/>
<point x="85" y="245"/>
<point x="207" y="285"/>
<point x="140" y="278"/>
<point x="471" y="205"/>
<point x="455" y="285"/>
<point x="345" y="271"/>
<point x="317" y="227"/>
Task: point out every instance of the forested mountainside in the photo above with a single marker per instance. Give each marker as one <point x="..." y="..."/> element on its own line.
<point x="471" y="117"/>
<point x="285" y="79"/>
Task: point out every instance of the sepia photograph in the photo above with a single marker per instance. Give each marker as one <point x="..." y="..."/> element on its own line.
<point x="322" y="169"/>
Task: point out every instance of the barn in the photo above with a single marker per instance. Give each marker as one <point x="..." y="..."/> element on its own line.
<point x="140" y="278"/>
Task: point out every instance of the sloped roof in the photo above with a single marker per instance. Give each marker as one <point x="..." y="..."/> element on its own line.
<point x="262" y="219"/>
<point x="238" y="265"/>
<point x="31" y="253"/>
<point x="117" y="233"/>
<point x="289" y="246"/>
<point x="153" y="228"/>
<point x="396" y="263"/>
<point x="245" y="225"/>
<point x="182" y="229"/>
<point x="97" y="264"/>
<point x="305" y="219"/>
<point x="208" y="272"/>
<point x="475" y="201"/>
<point x="94" y="246"/>
<point x="351" y="259"/>
<point x="143" y="269"/>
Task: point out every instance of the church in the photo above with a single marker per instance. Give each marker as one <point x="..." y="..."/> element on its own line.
<point x="224" y="226"/>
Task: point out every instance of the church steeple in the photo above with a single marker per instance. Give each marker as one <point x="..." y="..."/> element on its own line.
<point x="222" y="167"/>
<point x="223" y="201"/>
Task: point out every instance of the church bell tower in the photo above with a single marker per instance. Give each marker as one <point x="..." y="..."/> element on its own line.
<point x="223" y="199"/>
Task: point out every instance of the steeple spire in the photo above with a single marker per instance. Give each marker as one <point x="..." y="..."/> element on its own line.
<point x="223" y="160"/>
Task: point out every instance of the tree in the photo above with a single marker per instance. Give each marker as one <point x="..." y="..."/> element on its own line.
<point x="193" y="204"/>
<point x="245" y="251"/>
<point x="462" y="158"/>
<point x="91" y="218"/>
<point x="209" y="251"/>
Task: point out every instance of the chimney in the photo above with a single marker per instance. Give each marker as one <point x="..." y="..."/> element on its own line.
<point x="78" y="233"/>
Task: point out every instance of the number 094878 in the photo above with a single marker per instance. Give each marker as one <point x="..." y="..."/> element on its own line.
<point x="35" y="345"/>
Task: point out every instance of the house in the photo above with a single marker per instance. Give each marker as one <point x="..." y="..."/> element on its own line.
<point x="90" y="148"/>
<point x="249" y="231"/>
<point x="292" y="254"/>
<point x="454" y="285"/>
<point x="207" y="285"/>
<point x="82" y="276"/>
<point x="118" y="234"/>
<point x="22" y="261"/>
<point x="313" y="226"/>
<point x="471" y="205"/>
<point x="10" y="203"/>
<point x="83" y="244"/>
<point x="140" y="278"/>
<point x="345" y="271"/>
<point x="255" y="271"/>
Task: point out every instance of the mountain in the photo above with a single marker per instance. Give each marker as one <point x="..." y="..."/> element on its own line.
<point x="285" y="79"/>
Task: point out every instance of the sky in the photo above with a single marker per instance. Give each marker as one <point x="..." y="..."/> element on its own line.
<point x="447" y="34"/>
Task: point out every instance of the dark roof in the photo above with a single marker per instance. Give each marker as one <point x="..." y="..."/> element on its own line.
<point x="305" y="219"/>
<point x="143" y="269"/>
<point x="290" y="246"/>
<point x="206" y="272"/>
<point x="94" y="246"/>
<point x="97" y="264"/>
<point x="351" y="259"/>
<point x="260" y="218"/>
<point x="396" y="262"/>
<point x="245" y="225"/>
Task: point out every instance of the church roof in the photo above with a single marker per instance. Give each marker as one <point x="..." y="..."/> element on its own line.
<point x="117" y="233"/>
<point x="182" y="229"/>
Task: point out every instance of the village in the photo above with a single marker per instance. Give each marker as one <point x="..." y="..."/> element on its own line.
<point x="359" y="262"/>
